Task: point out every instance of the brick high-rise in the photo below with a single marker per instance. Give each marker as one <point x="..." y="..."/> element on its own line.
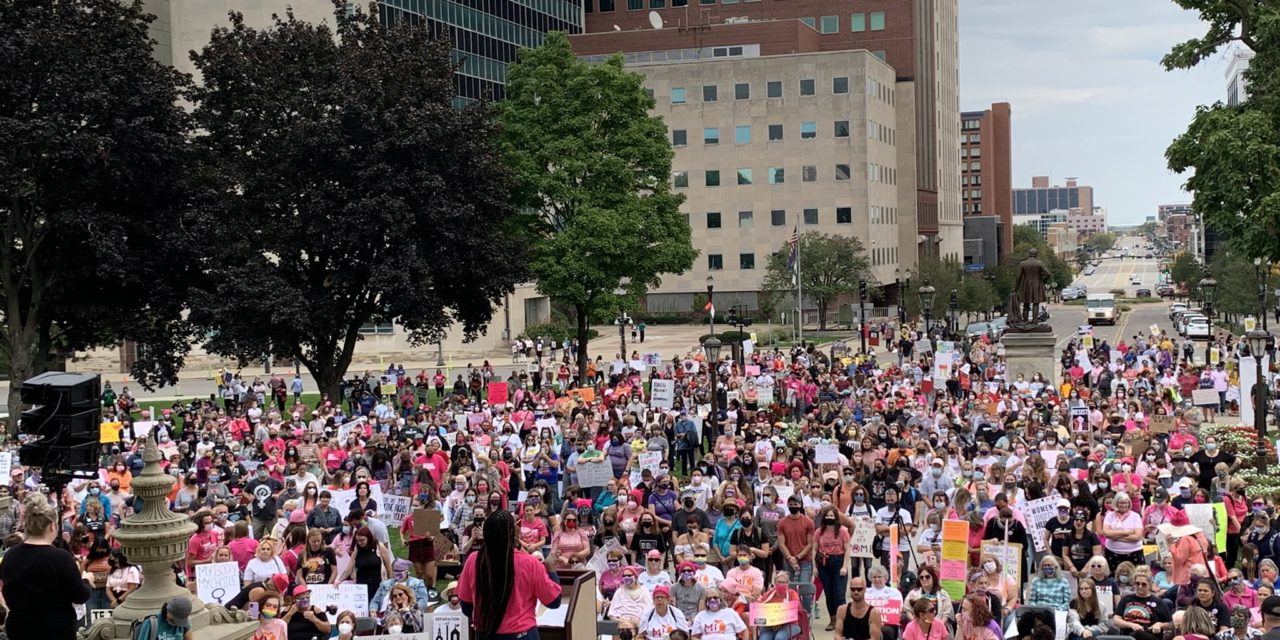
<point x="986" y="166"/>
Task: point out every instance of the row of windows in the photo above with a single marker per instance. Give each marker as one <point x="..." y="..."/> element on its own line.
<point x="879" y="90"/>
<point x="776" y="133"/>
<point x="778" y="175"/>
<point x="971" y="193"/>
<point x="773" y="89"/>
<point x="970" y="166"/>
<point x="858" y="22"/>
<point x="881" y="174"/>
<point x="778" y="218"/>
<point x="877" y="131"/>
<point x="970" y="152"/>
<point x="969" y="125"/>
<point x="883" y="215"/>
<point x="477" y="20"/>
<point x="970" y="137"/>
<point x="886" y="255"/>
<point x="974" y="180"/>
<point x="974" y="208"/>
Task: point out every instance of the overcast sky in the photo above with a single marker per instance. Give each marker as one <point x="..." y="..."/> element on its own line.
<point x="1088" y="95"/>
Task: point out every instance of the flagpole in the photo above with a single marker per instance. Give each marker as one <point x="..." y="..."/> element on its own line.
<point x="799" y="294"/>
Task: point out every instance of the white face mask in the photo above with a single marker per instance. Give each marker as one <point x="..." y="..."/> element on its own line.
<point x="346" y="628"/>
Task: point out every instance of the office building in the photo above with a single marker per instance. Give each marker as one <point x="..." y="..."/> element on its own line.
<point x="986" y="167"/>
<point x="919" y="40"/>
<point x="1087" y="223"/>
<point x="486" y="33"/>
<point x="1043" y="198"/>
<point x="1237" y="85"/>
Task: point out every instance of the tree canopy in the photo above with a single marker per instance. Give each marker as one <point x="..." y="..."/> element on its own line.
<point x="1101" y="242"/>
<point x="594" y="168"/>
<point x="1232" y="152"/>
<point x="831" y="266"/>
<point x="93" y="164"/>
<point x="1185" y="271"/>
<point x="349" y="190"/>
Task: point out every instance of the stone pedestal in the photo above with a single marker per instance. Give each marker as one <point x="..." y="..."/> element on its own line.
<point x="1031" y="353"/>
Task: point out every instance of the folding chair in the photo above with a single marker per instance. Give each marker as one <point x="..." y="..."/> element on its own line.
<point x="365" y="626"/>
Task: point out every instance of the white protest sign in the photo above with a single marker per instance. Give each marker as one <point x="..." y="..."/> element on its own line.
<point x="636" y="365"/>
<point x="6" y="463"/>
<point x="450" y="439"/>
<point x="346" y="597"/>
<point x="864" y="534"/>
<point x="344" y="429"/>
<point x="141" y="428"/>
<point x="764" y="396"/>
<point x="748" y="347"/>
<point x="599" y="561"/>
<point x="98" y="614"/>
<point x="341" y="500"/>
<point x="460" y="419"/>
<point x="1201" y="515"/>
<point x="594" y="474"/>
<point x="1038" y="513"/>
<point x="394" y="509"/>
<point x="826" y="454"/>
<point x="662" y="393"/>
<point x="218" y="582"/>
<point x="450" y="625"/>
<point x="784" y="492"/>
<point x="650" y="460"/>
<point x="547" y="423"/>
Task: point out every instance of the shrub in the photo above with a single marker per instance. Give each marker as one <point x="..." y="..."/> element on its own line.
<point x="1118" y="292"/>
<point x="727" y="337"/>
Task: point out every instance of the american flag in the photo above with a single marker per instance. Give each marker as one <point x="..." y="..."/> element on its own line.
<point x="793" y="249"/>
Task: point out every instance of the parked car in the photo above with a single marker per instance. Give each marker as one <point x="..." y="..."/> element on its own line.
<point x="1144" y="293"/>
<point x="1071" y="293"/>
<point x="998" y="327"/>
<point x="1198" y="327"/>
<point x="977" y="329"/>
<point x="1176" y="308"/>
<point x="1134" y="279"/>
<point x="1165" y="291"/>
<point x="1088" y="271"/>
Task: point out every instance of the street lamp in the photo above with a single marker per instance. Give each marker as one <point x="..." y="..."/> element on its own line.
<point x="711" y="318"/>
<point x="953" y="324"/>
<point x="1257" y="346"/>
<point x="927" y="294"/>
<point x="622" y="321"/>
<point x="897" y="285"/>
<point x="712" y="347"/>
<point x="1207" y="285"/>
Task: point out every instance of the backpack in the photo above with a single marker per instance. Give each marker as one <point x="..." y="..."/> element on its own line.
<point x="145" y="628"/>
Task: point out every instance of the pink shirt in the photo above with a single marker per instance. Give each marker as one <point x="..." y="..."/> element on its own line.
<point x="532" y="585"/>
<point x="242" y="550"/>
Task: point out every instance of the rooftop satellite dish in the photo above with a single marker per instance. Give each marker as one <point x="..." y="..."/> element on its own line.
<point x="655" y="20"/>
<point x="617" y="28"/>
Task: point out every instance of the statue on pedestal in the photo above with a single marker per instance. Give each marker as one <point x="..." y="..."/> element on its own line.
<point x="1028" y="294"/>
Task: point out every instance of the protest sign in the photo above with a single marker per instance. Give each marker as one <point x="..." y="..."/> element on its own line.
<point x="6" y="463"/>
<point x="1087" y="341"/>
<point x="764" y="396"/>
<point x="772" y="614"/>
<point x="662" y="393"/>
<point x="497" y="393"/>
<point x="1162" y="424"/>
<point x="547" y="423"/>
<point x="617" y="367"/>
<point x="346" y="597"/>
<point x="394" y="509"/>
<point x="1250" y="324"/>
<point x="753" y="369"/>
<point x="1214" y="356"/>
<point x="141" y="428"/>
<point x="890" y="608"/>
<point x="1155" y="329"/>
<point x="109" y="432"/>
<point x="652" y="359"/>
<point x="1010" y="556"/>
<point x="784" y="493"/>
<point x="594" y="474"/>
<point x="924" y="346"/>
<point x="341" y="500"/>
<point x="1204" y="398"/>
<point x="450" y="625"/>
<point x="98" y="614"/>
<point x="748" y="347"/>
<point x="826" y="454"/>
<point x="636" y="365"/>
<point x="954" y="564"/>
<point x="1037" y="514"/>
<point x="599" y="561"/>
<point x="895" y="553"/>
<point x="1220" y="521"/>
<point x="864" y="534"/>
<point x="585" y="394"/>
<point x="427" y="522"/>
<point x="218" y="582"/>
<point x="648" y="460"/>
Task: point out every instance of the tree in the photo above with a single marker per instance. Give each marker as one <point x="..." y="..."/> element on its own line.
<point x="943" y="276"/>
<point x="1026" y="238"/>
<point x="1232" y="152"/>
<point x="976" y="295"/>
<point x="1238" y="280"/>
<point x="594" y="167"/>
<point x="92" y="181"/>
<point x="1101" y="242"/>
<point x="352" y="192"/>
<point x="831" y="266"/>
<point x="1185" y="271"/>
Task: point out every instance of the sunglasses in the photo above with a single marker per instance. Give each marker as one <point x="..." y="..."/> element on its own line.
<point x="857" y="589"/>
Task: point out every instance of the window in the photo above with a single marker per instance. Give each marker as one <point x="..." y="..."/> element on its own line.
<point x="712" y="179"/>
<point x="711" y="135"/>
<point x="742" y="91"/>
<point x="680" y="179"/>
<point x="679" y="137"/>
<point x="858" y="22"/>
<point x="745" y="219"/>
<point x="742" y="134"/>
<point x="811" y="216"/>
<point x="775" y="132"/>
<point x="807" y="87"/>
<point x="657" y="4"/>
<point x="635" y="5"/>
<point x="808" y="130"/>
<point x="840" y="85"/>
<point x="809" y="173"/>
<point x="709" y="93"/>
<point x="879" y="54"/>
<point x="842" y="172"/>
<point x="842" y="129"/>
<point x="377" y="329"/>
<point x="744" y="176"/>
<point x="713" y="220"/>
<point x="813" y="24"/>
<point x="715" y="261"/>
<point x="844" y="215"/>
<point x="778" y="217"/>
<point x="677" y="95"/>
<point x="774" y="88"/>
<point x="777" y="175"/>
<point x="829" y="24"/>
<point x="877" y="21"/>
<point x="606" y="5"/>
<point x="746" y="260"/>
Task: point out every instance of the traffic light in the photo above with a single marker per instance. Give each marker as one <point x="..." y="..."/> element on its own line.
<point x="862" y="290"/>
<point x="62" y="425"/>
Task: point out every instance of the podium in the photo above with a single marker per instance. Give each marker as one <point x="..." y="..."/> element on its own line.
<point x="576" y="617"/>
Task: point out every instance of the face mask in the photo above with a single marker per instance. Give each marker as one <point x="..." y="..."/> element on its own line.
<point x="571" y="524"/>
<point x="686" y="575"/>
<point x="628" y="580"/>
<point x="730" y="513"/>
<point x="937" y="473"/>
<point x="613" y="564"/>
<point x="859" y="498"/>
<point x="713" y="604"/>
<point x="744" y="561"/>
<point x="93" y="491"/>
<point x="470" y="499"/>
<point x="978" y="475"/>
<point x="697" y="481"/>
<point x="394" y="629"/>
<point x="1103" y="484"/>
<point x="968" y="473"/>
<point x="1126" y="468"/>
<point x="1210" y="447"/>
<point x="939" y="504"/>
<point x="269" y="613"/>
<point x="989" y="567"/>
<point x="1049" y="572"/>
<point x="346" y="628"/>
<point x="1123" y="579"/>
<point x="115" y="487"/>
<point x="795" y="511"/>
<point x="1186" y="451"/>
<point x="1070" y="452"/>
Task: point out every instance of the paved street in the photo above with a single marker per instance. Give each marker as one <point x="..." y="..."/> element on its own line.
<point x="1114" y="274"/>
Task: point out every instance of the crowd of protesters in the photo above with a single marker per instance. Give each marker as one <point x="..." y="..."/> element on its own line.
<point x="705" y="514"/>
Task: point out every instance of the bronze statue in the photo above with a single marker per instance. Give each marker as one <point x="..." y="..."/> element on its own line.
<point x="1029" y="291"/>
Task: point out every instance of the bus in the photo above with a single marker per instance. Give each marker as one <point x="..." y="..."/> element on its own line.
<point x="1100" y="308"/>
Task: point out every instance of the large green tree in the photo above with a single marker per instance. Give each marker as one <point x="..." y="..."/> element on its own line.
<point x="1026" y="238"/>
<point x="1101" y="242"/>
<point x="831" y="266"/>
<point x="593" y="168"/>
<point x="92" y="175"/>
<point x="1232" y="152"/>
<point x="352" y="192"/>
<point x="1185" y="271"/>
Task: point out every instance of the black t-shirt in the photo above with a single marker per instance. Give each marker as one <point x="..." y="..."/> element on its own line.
<point x="642" y="543"/>
<point x="1057" y="531"/>
<point x="41" y="583"/>
<point x="1219" y="610"/>
<point x="1080" y="550"/>
<point x="1206" y="464"/>
<point x="301" y="628"/>
<point x="1145" y="611"/>
<point x="263" y="505"/>
<point x="318" y="567"/>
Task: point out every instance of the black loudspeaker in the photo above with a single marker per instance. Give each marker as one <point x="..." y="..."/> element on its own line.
<point x="63" y="390"/>
<point x="64" y="422"/>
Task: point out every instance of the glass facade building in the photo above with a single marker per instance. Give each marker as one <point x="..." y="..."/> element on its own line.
<point x="1045" y="200"/>
<point x="486" y="34"/>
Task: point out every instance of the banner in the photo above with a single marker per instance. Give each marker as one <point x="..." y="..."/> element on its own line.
<point x="594" y="474"/>
<point x="662" y="393"/>
<point x="346" y="597"/>
<point x="772" y="614"/>
<point x="218" y="582"/>
<point x="890" y="608"/>
<point x="1037" y="513"/>
<point x="954" y="564"/>
<point x="864" y="535"/>
<point x="450" y="625"/>
<point x="394" y="509"/>
<point x="1209" y="398"/>
<point x="497" y="393"/>
<point x="826" y="454"/>
<point x="341" y="500"/>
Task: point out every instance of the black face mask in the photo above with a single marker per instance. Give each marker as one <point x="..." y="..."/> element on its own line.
<point x="795" y="511"/>
<point x="729" y="513"/>
<point x="688" y="503"/>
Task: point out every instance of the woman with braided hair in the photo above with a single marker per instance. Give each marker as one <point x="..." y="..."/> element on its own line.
<point x="501" y="585"/>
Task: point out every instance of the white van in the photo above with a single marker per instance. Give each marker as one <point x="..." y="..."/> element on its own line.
<point x="1100" y="308"/>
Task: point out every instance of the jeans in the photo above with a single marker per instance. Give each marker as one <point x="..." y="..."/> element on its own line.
<point x="262" y="527"/>
<point x="784" y="632"/>
<point x="833" y="584"/>
<point x="804" y="575"/>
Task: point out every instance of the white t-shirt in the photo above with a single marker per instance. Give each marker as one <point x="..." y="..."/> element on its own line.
<point x="724" y="624"/>
<point x="651" y="582"/>
<point x="262" y="569"/>
<point x="884" y="517"/>
<point x="656" y="627"/>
